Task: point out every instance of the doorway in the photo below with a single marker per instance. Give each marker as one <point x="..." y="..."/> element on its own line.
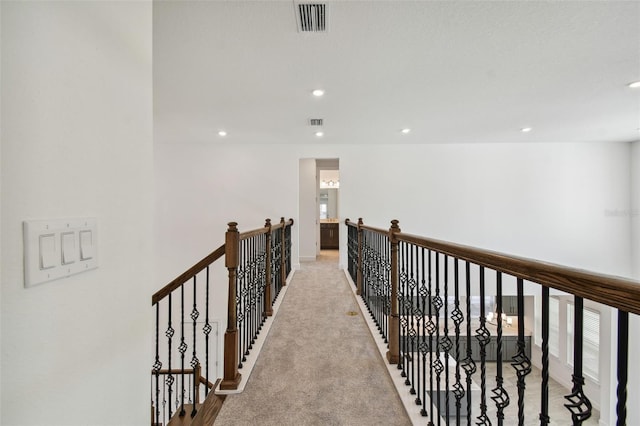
<point x="319" y="209"/>
<point x="328" y="208"/>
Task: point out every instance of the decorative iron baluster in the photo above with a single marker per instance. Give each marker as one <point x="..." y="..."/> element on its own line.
<point x="521" y="363"/>
<point x="458" y="317"/>
<point x="206" y="330"/>
<point x="500" y="395"/>
<point x="169" y="333"/>
<point x="431" y="328"/>
<point x="240" y="299"/>
<point x="484" y="337"/>
<point x="276" y="241"/>
<point x="182" y="349"/>
<point x="468" y="365"/>
<point x="438" y="367"/>
<point x="424" y="347"/>
<point x="287" y="240"/>
<point x="262" y="316"/>
<point x="367" y="279"/>
<point x="251" y="289"/>
<point x="623" y="365"/>
<point x="385" y="290"/>
<point x="403" y="289"/>
<point x="544" y="394"/>
<point x="157" y="365"/>
<point x="247" y="296"/>
<point x="164" y="403"/>
<point x="419" y="313"/>
<point x="413" y="312"/>
<point x="378" y="298"/>
<point x="352" y="252"/>
<point x="376" y="277"/>
<point x="377" y="303"/>
<point x="446" y="341"/>
<point x="194" y="360"/>
<point x="375" y="266"/>
<point x="579" y="405"/>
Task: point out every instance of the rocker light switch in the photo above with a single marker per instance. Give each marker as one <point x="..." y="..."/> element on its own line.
<point x="47" y="251"/>
<point x="68" y="245"/>
<point x="86" y="245"/>
<point x="59" y="248"/>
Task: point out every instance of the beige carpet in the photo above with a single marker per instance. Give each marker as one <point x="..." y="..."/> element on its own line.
<point x="319" y="365"/>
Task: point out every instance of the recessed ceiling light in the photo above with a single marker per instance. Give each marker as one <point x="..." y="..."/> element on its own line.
<point x="319" y="134"/>
<point x="318" y="92"/>
<point x="222" y="133"/>
<point x="526" y="129"/>
<point x="405" y="131"/>
<point x="634" y="85"/>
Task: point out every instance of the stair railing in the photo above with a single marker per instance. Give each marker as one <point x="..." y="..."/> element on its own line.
<point x="418" y="292"/>
<point x="258" y="264"/>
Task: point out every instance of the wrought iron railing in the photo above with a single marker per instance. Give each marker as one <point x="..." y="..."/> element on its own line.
<point x="419" y="293"/>
<point x="258" y="263"/>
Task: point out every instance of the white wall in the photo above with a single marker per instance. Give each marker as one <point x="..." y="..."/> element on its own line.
<point x="307" y="214"/>
<point x="556" y="202"/>
<point x="634" y="327"/>
<point x="77" y="141"/>
<point x="635" y="208"/>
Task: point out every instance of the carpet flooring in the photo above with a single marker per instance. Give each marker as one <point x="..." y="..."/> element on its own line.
<point x="319" y="364"/>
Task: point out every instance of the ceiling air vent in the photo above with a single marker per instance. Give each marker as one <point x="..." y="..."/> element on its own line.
<point x="315" y="121"/>
<point x="312" y="17"/>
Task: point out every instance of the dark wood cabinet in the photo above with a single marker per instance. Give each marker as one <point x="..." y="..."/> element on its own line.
<point x="329" y="235"/>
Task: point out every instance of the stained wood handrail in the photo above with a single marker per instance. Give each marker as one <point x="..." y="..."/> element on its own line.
<point x="187" y="275"/>
<point x="254" y="232"/>
<point x="209" y="259"/>
<point x="617" y="292"/>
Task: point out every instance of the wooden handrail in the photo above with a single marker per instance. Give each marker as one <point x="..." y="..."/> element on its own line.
<point x="254" y="232"/>
<point x="617" y="292"/>
<point x="259" y="231"/>
<point x="209" y="259"/>
<point x="187" y="275"/>
<point x="282" y="224"/>
<point x="348" y="222"/>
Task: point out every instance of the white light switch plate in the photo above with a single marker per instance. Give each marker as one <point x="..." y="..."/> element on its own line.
<point x="58" y="248"/>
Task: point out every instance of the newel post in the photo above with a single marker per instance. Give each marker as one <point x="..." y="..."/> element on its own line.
<point x="231" y="378"/>
<point x="393" y="355"/>
<point x="359" y="262"/>
<point x="283" y="268"/>
<point x="268" y="308"/>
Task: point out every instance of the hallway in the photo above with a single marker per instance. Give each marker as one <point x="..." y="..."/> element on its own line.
<point x="300" y="378"/>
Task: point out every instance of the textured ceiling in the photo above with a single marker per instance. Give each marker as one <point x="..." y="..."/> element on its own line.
<point x="451" y="71"/>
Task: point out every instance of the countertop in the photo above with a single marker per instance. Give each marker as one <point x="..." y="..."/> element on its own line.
<point x="329" y="221"/>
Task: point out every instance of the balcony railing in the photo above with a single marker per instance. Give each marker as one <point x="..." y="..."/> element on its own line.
<point x="258" y="263"/>
<point x="420" y="293"/>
